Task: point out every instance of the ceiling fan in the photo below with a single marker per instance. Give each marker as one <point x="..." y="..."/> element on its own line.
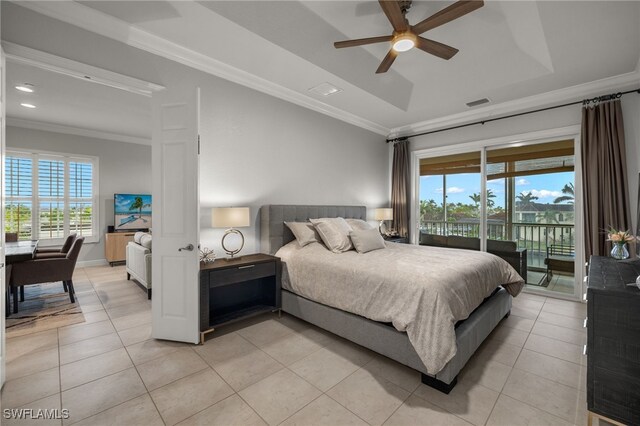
<point x="406" y="36"/>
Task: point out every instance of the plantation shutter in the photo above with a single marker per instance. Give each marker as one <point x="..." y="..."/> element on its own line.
<point x="51" y="198"/>
<point x="18" y="195"/>
<point x="81" y="197"/>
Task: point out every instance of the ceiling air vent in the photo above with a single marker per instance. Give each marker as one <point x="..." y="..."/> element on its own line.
<point x="478" y="102"/>
<point x="325" y="89"/>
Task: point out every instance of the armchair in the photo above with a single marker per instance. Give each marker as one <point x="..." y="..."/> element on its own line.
<point x="39" y="271"/>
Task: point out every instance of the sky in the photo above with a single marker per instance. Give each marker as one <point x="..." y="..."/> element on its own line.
<point x="546" y="187"/>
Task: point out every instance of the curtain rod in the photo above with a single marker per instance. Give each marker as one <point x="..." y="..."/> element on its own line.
<point x="583" y="102"/>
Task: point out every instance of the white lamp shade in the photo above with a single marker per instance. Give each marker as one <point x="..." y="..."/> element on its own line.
<point x="230" y="217"/>
<point x="384" y="214"/>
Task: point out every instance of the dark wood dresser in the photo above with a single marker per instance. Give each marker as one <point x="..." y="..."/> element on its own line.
<point x="613" y="345"/>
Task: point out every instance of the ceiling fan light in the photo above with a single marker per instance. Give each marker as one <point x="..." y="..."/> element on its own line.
<point x="404" y="43"/>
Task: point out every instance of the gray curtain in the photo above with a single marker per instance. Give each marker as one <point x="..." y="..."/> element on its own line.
<point x="400" y="187"/>
<point x="604" y="176"/>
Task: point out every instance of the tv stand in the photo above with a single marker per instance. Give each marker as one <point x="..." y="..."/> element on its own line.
<point x="115" y="246"/>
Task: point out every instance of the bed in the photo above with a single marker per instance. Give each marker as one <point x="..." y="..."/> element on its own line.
<point x="368" y="327"/>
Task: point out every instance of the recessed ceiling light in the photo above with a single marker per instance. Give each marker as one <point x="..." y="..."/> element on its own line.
<point x="28" y="88"/>
<point x="325" y="89"/>
<point x="28" y="105"/>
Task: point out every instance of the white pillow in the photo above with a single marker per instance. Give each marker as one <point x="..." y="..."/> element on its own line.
<point x="145" y="241"/>
<point x="334" y="232"/>
<point x="138" y="236"/>
<point x="359" y="224"/>
<point x="304" y="232"/>
<point x="366" y="240"/>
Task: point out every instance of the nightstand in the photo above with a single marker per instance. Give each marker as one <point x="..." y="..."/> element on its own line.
<point x="401" y="240"/>
<point x="231" y="290"/>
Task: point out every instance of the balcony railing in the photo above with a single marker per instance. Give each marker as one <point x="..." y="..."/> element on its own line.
<point x="535" y="237"/>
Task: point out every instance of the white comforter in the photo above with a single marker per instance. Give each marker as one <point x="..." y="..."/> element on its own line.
<point x="421" y="290"/>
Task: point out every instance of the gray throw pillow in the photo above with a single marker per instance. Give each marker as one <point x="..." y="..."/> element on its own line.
<point x="359" y="224"/>
<point x="304" y="232"/>
<point x="367" y="240"/>
<point x="334" y="232"/>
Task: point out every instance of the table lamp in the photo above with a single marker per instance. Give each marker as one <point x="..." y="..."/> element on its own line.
<point x="382" y="215"/>
<point x="230" y="218"/>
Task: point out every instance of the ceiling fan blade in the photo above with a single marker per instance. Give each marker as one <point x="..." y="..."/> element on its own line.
<point x="447" y="14"/>
<point x="391" y="8"/>
<point x="387" y="61"/>
<point x="361" y="41"/>
<point x="435" y="48"/>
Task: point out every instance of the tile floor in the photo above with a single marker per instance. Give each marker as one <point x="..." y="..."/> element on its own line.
<point x="108" y="371"/>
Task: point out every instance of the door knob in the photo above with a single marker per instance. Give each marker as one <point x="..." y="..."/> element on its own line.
<point x="187" y="248"/>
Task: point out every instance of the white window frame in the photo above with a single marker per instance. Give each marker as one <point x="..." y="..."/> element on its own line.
<point x="35" y="156"/>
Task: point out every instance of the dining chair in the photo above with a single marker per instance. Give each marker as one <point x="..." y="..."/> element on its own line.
<point x="39" y="271"/>
<point x="47" y="253"/>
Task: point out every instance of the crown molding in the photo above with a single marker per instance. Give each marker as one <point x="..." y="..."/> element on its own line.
<point x="46" y="61"/>
<point x="77" y="131"/>
<point x="555" y="97"/>
<point x="98" y="22"/>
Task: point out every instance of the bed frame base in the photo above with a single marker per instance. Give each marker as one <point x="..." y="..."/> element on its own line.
<point x="438" y="384"/>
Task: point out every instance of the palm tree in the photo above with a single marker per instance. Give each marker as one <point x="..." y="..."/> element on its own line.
<point x="569" y="194"/>
<point x="475" y="198"/>
<point x="525" y="199"/>
<point x="490" y="197"/>
<point x="548" y="216"/>
<point x="138" y="204"/>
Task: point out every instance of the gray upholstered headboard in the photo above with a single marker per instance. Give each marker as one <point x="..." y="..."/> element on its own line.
<point x="274" y="233"/>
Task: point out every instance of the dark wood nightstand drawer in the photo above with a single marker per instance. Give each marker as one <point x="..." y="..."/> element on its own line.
<point x="616" y="394"/>
<point x="242" y="273"/>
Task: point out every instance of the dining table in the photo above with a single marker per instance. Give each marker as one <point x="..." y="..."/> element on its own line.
<point x="14" y="252"/>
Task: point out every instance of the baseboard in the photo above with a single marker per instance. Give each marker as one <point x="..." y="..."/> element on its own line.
<point x="88" y="263"/>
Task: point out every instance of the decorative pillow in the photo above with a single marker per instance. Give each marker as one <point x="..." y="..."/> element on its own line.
<point x="366" y="240"/>
<point x="334" y="232"/>
<point x="359" y="224"/>
<point x="138" y="236"/>
<point x="145" y="241"/>
<point x="304" y="232"/>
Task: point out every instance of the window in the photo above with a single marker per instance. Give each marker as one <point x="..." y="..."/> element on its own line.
<point x="48" y="196"/>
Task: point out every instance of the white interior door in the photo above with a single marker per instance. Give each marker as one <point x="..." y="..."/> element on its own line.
<point x="175" y="214"/>
<point x="3" y="307"/>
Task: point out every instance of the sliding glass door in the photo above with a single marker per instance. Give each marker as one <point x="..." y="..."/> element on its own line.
<point x="516" y="202"/>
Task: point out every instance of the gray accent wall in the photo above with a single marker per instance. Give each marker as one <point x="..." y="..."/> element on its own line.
<point x="123" y="167"/>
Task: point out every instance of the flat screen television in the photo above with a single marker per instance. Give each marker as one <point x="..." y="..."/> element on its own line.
<point x="132" y="212"/>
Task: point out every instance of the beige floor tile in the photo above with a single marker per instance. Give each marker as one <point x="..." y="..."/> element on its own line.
<point x="128" y="304"/>
<point x="89" y="347"/>
<point x="324" y="411"/>
<point x="471" y="402"/>
<point x="150" y="349"/>
<point x="20" y="346"/>
<point x="509" y="335"/>
<point x="189" y="395"/>
<point x="519" y="323"/>
<point x="164" y="370"/>
<point x="232" y="411"/>
<point x="92" y="368"/>
<point x="291" y="348"/>
<point x="372" y="398"/>
<point x="265" y="332"/>
<point x="532" y="296"/>
<point x="49" y="403"/>
<point x="279" y="396"/>
<point x="324" y="368"/>
<point x="351" y="351"/>
<point x="528" y="303"/>
<point x="139" y="411"/>
<point x="318" y="335"/>
<point x="416" y="411"/>
<point x="239" y="362"/>
<point x="490" y="374"/>
<point x="26" y="389"/>
<point x="569" y="309"/>
<point x="94" y="397"/>
<point x="398" y="374"/>
<point x="75" y="333"/>
<point x="134" y="335"/>
<point x="561" y="320"/>
<point x="133" y="320"/>
<point x="32" y="362"/>
<point x="555" y="369"/>
<point x="563" y="334"/>
<point x="554" y="398"/>
<point x="511" y="412"/>
<point x="556" y="348"/>
<point x="498" y="351"/>
<point x="95" y="316"/>
<point x="524" y="312"/>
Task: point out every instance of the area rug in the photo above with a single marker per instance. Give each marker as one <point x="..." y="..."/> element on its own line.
<point x="45" y="307"/>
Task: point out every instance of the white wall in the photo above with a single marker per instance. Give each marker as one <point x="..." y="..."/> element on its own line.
<point x="256" y="150"/>
<point x="123" y="167"/>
